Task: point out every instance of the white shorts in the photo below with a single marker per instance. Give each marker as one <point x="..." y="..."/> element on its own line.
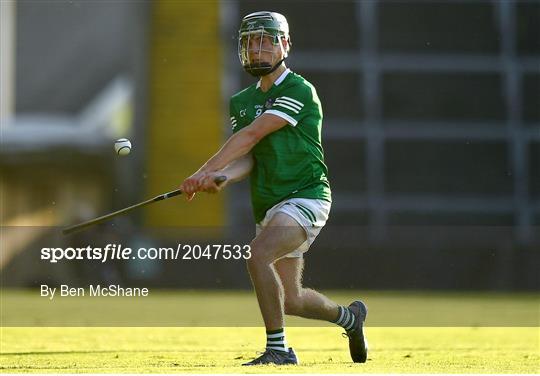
<point x="311" y="214"/>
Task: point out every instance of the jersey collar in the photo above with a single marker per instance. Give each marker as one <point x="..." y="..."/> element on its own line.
<point x="279" y="79"/>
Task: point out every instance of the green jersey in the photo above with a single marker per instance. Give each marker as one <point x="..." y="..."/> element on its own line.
<point x="289" y="163"/>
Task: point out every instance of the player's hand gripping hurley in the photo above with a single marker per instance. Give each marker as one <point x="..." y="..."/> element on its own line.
<point x="71" y="229"/>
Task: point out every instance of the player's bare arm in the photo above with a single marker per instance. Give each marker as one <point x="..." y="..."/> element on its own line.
<point x="242" y="142"/>
<point x="234" y="172"/>
<point x="238" y="145"/>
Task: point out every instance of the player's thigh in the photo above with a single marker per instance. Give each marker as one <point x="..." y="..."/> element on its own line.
<point x="279" y="237"/>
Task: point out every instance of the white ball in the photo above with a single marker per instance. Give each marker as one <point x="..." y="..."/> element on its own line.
<point x="122" y="146"/>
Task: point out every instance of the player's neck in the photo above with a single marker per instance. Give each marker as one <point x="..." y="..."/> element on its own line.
<point x="268" y="80"/>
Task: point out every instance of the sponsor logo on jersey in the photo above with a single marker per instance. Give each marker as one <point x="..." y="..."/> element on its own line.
<point x="269" y="103"/>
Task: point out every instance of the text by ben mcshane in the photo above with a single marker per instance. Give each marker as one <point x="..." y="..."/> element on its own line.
<point x="92" y="291"/>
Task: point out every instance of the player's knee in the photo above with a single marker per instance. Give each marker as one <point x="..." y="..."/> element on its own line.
<point x="259" y="255"/>
<point x="256" y="261"/>
<point x="293" y="305"/>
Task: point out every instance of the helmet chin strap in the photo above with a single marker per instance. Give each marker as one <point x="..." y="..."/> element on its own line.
<point x="263" y="70"/>
<point x="277" y="65"/>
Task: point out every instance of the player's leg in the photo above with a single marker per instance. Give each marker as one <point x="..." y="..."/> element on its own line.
<point x="301" y="301"/>
<point x="308" y="303"/>
<point x="280" y="236"/>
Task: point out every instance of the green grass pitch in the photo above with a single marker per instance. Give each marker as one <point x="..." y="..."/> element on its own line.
<point x="196" y="348"/>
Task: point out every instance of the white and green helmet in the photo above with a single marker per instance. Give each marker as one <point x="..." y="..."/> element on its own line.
<point x="261" y="24"/>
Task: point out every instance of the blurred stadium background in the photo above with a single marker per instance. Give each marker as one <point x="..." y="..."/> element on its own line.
<point x="431" y="134"/>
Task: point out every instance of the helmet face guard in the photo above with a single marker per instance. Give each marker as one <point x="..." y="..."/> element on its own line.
<point x="257" y="52"/>
<point x="259" y="34"/>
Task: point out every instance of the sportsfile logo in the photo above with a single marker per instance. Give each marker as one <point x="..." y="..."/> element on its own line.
<point x="110" y="251"/>
<point x="118" y="252"/>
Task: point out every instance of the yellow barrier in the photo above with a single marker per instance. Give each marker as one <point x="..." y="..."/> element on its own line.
<point x="185" y="108"/>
